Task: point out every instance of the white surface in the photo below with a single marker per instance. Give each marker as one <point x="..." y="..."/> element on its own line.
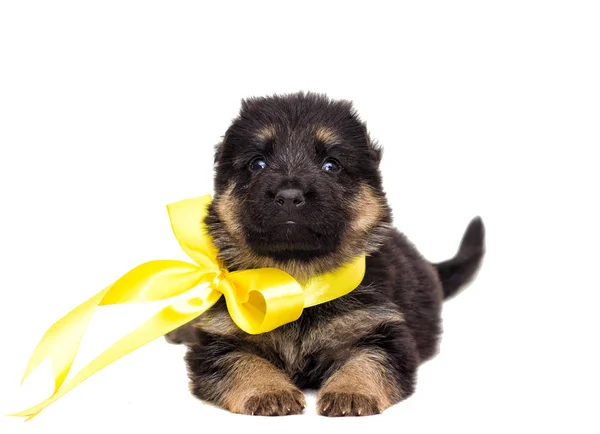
<point x="109" y="112"/>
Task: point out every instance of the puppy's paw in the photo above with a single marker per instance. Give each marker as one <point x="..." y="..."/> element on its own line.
<point x="273" y="403"/>
<point x="173" y="338"/>
<point x="349" y="404"/>
<point x="182" y="335"/>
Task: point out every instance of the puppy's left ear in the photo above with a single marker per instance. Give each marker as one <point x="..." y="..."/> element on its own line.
<point x="375" y="150"/>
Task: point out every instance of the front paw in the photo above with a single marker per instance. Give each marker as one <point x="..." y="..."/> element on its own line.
<point x="349" y="404"/>
<point x="273" y="403"/>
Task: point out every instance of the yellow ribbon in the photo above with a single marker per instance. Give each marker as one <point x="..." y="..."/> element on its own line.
<point x="258" y="300"/>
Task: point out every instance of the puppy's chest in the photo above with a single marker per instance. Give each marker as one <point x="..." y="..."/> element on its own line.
<point x="293" y="347"/>
<point x="296" y="349"/>
<point x="306" y="348"/>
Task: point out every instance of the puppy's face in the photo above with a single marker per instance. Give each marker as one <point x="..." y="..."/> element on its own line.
<point x="297" y="185"/>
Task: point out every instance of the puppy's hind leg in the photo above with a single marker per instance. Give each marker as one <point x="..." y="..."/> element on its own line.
<point x="241" y="381"/>
<point x="378" y="371"/>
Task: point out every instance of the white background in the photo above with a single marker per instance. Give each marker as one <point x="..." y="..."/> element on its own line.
<point x="110" y="111"/>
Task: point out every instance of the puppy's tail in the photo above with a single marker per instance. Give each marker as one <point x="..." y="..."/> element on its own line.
<point x="460" y="270"/>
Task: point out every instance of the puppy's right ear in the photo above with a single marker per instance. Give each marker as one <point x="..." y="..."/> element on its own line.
<point x="219" y="147"/>
<point x="219" y="150"/>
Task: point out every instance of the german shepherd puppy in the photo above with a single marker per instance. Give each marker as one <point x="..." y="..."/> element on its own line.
<point x="298" y="187"/>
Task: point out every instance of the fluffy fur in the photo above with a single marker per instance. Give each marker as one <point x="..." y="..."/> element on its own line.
<point x="298" y="187"/>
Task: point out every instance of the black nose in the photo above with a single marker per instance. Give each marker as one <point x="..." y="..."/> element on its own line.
<point x="290" y="198"/>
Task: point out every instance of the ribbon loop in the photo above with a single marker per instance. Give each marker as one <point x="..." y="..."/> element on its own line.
<point x="261" y="302"/>
<point x="187" y="222"/>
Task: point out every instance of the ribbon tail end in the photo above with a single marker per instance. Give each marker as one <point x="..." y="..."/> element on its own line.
<point x="30" y="367"/>
<point x="25" y="413"/>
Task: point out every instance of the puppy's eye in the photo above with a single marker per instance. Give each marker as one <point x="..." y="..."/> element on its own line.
<point x="331" y="165"/>
<point x="257" y="163"/>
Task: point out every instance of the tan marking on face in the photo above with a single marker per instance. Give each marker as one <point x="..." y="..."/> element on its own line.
<point x="228" y="208"/>
<point x="266" y="133"/>
<point x="326" y="135"/>
<point x="366" y="209"/>
<point x="365" y="373"/>
<point x="252" y="376"/>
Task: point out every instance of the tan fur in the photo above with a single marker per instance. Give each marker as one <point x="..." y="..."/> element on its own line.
<point x="219" y="323"/>
<point x="267" y="133"/>
<point x="367" y="210"/>
<point x="250" y="377"/>
<point x="228" y="208"/>
<point x="363" y="375"/>
<point x="334" y="336"/>
<point x="347" y="328"/>
<point x="326" y="135"/>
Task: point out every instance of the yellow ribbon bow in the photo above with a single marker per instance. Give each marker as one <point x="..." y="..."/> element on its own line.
<point x="258" y="300"/>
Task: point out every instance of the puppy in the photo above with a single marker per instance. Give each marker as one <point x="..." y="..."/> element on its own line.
<point x="298" y="187"/>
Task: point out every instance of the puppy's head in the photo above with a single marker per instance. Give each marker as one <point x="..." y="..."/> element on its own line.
<point x="297" y="186"/>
